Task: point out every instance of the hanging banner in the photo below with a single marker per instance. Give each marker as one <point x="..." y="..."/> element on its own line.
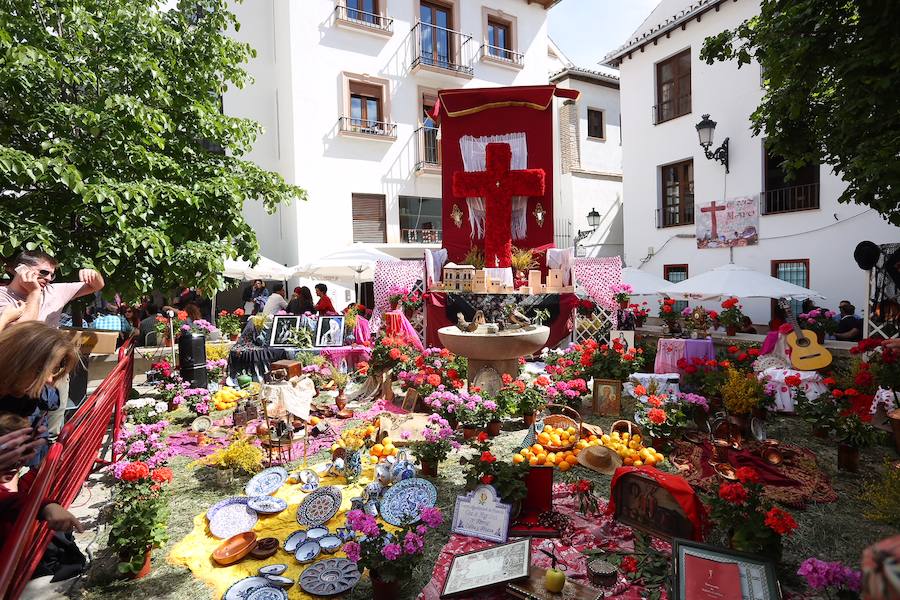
<point x="734" y="222"/>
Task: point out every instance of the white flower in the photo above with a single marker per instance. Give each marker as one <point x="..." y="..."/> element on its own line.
<point x="160" y="407"/>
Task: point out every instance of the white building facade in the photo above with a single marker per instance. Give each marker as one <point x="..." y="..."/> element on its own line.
<point x="805" y="235"/>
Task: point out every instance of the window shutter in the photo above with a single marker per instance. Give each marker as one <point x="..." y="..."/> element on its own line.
<point x="369" y="218"/>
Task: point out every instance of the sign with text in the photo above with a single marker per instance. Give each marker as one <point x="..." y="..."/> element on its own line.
<point x="481" y="514"/>
<point x="734" y="222"/>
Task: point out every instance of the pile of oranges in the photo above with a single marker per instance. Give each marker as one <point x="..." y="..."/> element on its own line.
<point x="564" y="460"/>
<point x="631" y="449"/>
<point x="383" y="450"/>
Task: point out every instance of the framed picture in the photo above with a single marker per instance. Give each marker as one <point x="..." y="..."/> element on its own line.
<point x="642" y="503"/>
<point x="330" y="332"/>
<point x="282" y="327"/>
<point x="704" y="572"/>
<point x="486" y="568"/>
<point x="626" y="338"/>
<point x="607" y="397"/>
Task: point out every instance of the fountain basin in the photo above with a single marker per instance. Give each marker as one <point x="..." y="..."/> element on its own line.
<point x="502" y="345"/>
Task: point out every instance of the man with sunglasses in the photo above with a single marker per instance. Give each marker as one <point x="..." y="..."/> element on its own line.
<point x="33" y="273"/>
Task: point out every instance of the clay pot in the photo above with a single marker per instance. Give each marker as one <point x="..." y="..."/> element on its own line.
<point x="340" y="401"/>
<point x="639" y="321"/>
<point x="427" y="469"/>
<point x="820" y="336"/>
<point x="894" y="417"/>
<point x="528" y="419"/>
<point x="394" y="305"/>
<point x="383" y="590"/>
<point x="145" y="568"/>
<point x="409" y="312"/>
<point x="624" y="304"/>
<point x="848" y="458"/>
<point x="452" y="422"/>
<point x="469" y="432"/>
<point x="493" y="428"/>
<point x="730" y="330"/>
<point x="701" y="417"/>
<point x="234" y="337"/>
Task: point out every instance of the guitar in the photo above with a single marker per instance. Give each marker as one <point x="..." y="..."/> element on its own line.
<point x="807" y="354"/>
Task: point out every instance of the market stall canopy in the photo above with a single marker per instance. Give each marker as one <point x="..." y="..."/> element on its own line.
<point x="643" y="283"/>
<point x="735" y="280"/>
<point x="266" y="268"/>
<point x="356" y="262"/>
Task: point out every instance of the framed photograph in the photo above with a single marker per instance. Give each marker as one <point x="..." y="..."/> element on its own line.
<point x="282" y="327"/>
<point x="607" y="398"/>
<point x="704" y="572"/>
<point x="329" y="332"/>
<point x="626" y="338"/>
<point x="486" y="568"/>
<point x="643" y="503"/>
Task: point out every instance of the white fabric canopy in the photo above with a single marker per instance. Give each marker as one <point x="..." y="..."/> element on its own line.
<point x="735" y="280"/>
<point x="643" y="283"/>
<point x="356" y="262"/>
<point x="266" y="268"/>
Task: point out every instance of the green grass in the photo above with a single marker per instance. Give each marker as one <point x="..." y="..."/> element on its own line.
<point x="836" y="531"/>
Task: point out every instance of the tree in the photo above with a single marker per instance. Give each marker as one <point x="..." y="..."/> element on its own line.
<point x="114" y="152"/>
<point x="832" y="77"/>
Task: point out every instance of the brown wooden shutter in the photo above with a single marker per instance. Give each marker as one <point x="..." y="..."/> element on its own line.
<point x="369" y="218"/>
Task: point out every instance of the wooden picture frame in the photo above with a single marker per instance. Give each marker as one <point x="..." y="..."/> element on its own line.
<point x="282" y="325"/>
<point x="329" y="332"/>
<point x="483" y="569"/>
<point x="642" y="503"/>
<point x="607" y="398"/>
<point x="756" y="573"/>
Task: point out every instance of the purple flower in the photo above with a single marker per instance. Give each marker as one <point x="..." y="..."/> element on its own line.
<point x="821" y="575"/>
<point x="421" y="530"/>
<point x="413" y="543"/>
<point x="352" y="550"/>
<point x="455" y="445"/>
<point x="432" y="517"/>
<point x="490" y="405"/>
<point x="392" y="551"/>
<point x="138" y="447"/>
<point x="404" y="435"/>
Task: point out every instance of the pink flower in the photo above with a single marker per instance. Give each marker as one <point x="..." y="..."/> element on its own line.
<point x="352" y="550"/>
<point x="392" y="551"/>
<point x="413" y="543"/>
<point x="432" y="517"/>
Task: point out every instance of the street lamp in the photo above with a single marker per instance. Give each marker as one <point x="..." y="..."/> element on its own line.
<point x="706" y="130"/>
<point x="593" y="220"/>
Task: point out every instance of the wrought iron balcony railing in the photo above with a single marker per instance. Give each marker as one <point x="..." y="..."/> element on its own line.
<point x="501" y="54"/>
<point x="673" y="216"/>
<point x="367" y="127"/>
<point x="428" y="148"/>
<point x="789" y="199"/>
<point x="420" y="236"/>
<point x="366" y="19"/>
<point x="435" y="46"/>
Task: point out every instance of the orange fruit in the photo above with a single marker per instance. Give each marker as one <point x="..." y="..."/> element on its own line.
<point x="518" y="458"/>
<point x="387" y="441"/>
<point x="564" y="466"/>
<point x="377" y="450"/>
<point x="394" y="451"/>
<point x="551" y="457"/>
<point x="638" y="463"/>
<point x="629" y="461"/>
<point x="533" y="461"/>
<point x="541" y="458"/>
<point x="650" y="461"/>
<point x="537" y="448"/>
<point x="543" y="437"/>
<point x="572" y="459"/>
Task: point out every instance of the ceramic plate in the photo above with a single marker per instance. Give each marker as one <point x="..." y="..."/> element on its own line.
<point x="232" y="519"/>
<point x="269" y="592"/>
<point x="315" y="533"/>
<point x="330" y="544"/>
<point x="329" y="577"/>
<point x="758" y="428"/>
<point x="406" y="499"/>
<point x="241" y="589"/>
<point x="202" y="423"/>
<point x="211" y="511"/>
<point x="294" y="540"/>
<point x="276" y="569"/>
<point x="307" y="552"/>
<point x="319" y="506"/>
<point x="268" y="505"/>
<point x="266" y="482"/>
<point x="282" y="582"/>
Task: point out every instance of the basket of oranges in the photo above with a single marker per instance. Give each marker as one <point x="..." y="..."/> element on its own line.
<point x="561" y="431"/>
<point x="625" y="426"/>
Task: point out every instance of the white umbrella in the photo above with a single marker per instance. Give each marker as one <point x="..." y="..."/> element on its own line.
<point x="356" y="261"/>
<point x="738" y="281"/>
<point x="266" y="268"/>
<point x="643" y="283"/>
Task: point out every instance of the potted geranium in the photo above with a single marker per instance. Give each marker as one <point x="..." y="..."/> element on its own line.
<point x="436" y="446"/>
<point x="474" y="414"/>
<point x="640" y="312"/>
<point x="819" y="320"/>
<point x="230" y="322"/>
<point x="731" y="316"/>
<point x="395" y="295"/>
<point x="168" y="329"/>
<point x="853" y="428"/>
<point x="216" y="370"/>
<point x="622" y="293"/>
<point x="821" y="413"/>
<point x="425" y="373"/>
<point x="661" y="418"/>
<point x="483" y="468"/>
<point x="390" y="556"/>
<point x="752" y="523"/>
<point x="880" y="370"/>
<point x="835" y="579"/>
<point x="696" y="406"/>
<point x="668" y="315"/>
<point x="411" y="302"/>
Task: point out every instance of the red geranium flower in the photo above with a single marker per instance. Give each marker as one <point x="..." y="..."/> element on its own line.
<point x="434" y="380"/>
<point x="482" y="436"/>
<point x="487" y="479"/>
<point x="780" y="521"/>
<point x="657" y="416"/>
<point x="394" y="353"/>
<point x="753" y="351"/>
<point x="829" y="381"/>
<point x="487" y="457"/>
<point x="453" y="374"/>
<point x="690" y="369"/>
<point x="792" y="380"/>
<point x="747" y="475"/>
<point x="629" y="564"/>
<point x="733" y="349"/>
<point x="506" y="378"/>
<point x="542" y="381"/>
<point x="742" y="356"/>
<point x="162" y="475"/>
<point x="135" y="471"/>
<point x="582" y="486"/>
<point x="733" y="492"/>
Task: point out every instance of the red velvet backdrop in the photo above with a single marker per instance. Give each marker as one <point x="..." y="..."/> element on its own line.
<point x="497" y="111"/>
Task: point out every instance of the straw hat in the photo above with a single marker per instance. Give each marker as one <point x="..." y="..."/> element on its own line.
<point x="600" y="459"/>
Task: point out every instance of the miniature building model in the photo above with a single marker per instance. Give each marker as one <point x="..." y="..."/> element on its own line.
<point x="458" y="278"/>
<point x="534" y="281"/>
<point x="479" y="283"/>
<point x="554" y="280"/>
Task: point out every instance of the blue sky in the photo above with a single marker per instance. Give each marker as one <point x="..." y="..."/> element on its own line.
<point x="587" y="29"/>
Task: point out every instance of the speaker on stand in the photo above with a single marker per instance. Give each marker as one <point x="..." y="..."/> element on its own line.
<point x="192" y="359"/>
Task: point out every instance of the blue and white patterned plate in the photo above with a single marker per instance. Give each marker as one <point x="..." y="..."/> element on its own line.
<point x="232" y="519"/>
<point x="243" y="588"/>
<point x="266" y="482"/>
<point x="211" y="511"/>
<point x="269" y="592"/>
<point x="276" y="569"/>
<point x="318" y="508"/>
<point x="329" y="577"/>
<point x="406" y="499"/>
<point x="307" y="552"/>
<point x="294" y="540"/>
<point x="268" y="505"/>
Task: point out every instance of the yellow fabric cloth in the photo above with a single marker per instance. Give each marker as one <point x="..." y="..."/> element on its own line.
<point x="195" y="550"/>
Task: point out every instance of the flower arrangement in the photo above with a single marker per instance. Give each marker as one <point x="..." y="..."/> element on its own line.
<point x="585" y="307"/>
<point x="145" y="410"/>
<point x="645" y="566"/>
<point x="141" y="442"/>
<point x="741" y="358"/>
<point x="731" y="316"/>
<point x="476" y="412"/>
<point x="755" y="525"/>
<point x="882" y="366"/>
<point x="216" y="369"/>
<point x="622" y="293"/>
<point x="240" y="455"/>
<point x="395" y="294"/>
<point x="483" y="468"/>
<point x="835" y="579"/>
<point x="819" y="320"/>
<point x="820" y="413"/>
<point x="195" y="400"/>
<point x="660" y="416"/>
<point x="162" y="325"/>
<point x="667" y="310"/>
<point x="692" y="401"/>
<point x="388" y="352"/>
<point x="438" y="441"/>
<point x="701" y="376"/>
<point x="640" y="312"/>
<point x="584" y="492"/>
<point x="140" y="511"/>
<point x="389" y="556"/>
<point x="741" y="392"/>
<point x="200" y="326"/>
<point x="411" y="301"/>
<point x="517" y="397"/>
<point x="230" y="322"/>
<point x="610" y="361"/>
<point x="433" y="368"/>
<point x="569" y="391"/>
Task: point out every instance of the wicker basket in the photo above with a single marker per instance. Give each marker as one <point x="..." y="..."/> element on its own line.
<point x="563" y="421"/>
<point x="625" y="426"/>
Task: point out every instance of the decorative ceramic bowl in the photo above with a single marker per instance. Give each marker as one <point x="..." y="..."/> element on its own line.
<point x="316" y="533"/>
<point x="294" y="540"/>
<point x="282" y="582"/>
<point x="330" y="544"/>
<point x="772" y="455"/>
<point x="276" y="569"/>
<point x="265" y="548"/>
<point x="309" y="480"/>
<point x="307" y="552"/>
<point x="267" y="505"/>
<point x="726" y="471"/>
<point x="234" y="548"/>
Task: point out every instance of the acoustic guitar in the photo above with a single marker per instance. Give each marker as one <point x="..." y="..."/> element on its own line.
<point x="807" y="354"/>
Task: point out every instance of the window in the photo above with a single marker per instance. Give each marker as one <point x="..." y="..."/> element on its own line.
<point x="365" y="104"/>
<point x="363" y="10"/>
<point x="498" y="39"/>
<point x="781" y="195"/>
<point x="794" y="271"/>
<point x="435" y="36"/>
<point x="366" y="107"/>
<point x="429" y="153"/>
<point x="595" y="124"/>
<point x="420" y="220"/>
<point x="677" y="206"/>
<point x="673" y="87"/>
<point x="675" y="274"/>
<point x="369" y="222"/>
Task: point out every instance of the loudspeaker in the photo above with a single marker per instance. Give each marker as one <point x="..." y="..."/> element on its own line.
<point x="866" y="255"/>
<point x="197" y="377"/>
<point x="191" y="351"/>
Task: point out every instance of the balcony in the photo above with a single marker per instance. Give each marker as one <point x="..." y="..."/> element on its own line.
<point x="789" y="199"/>
<point x="440" y="49"/>
<point x="502" y="56"/>
<point x="354" y="18"/>
<point x="420" y="236"/>
<point x="367" y="129"/>
<point x="428" y="150"/>
<point x="672" y="216"/>
<point x="677" y="107"/>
